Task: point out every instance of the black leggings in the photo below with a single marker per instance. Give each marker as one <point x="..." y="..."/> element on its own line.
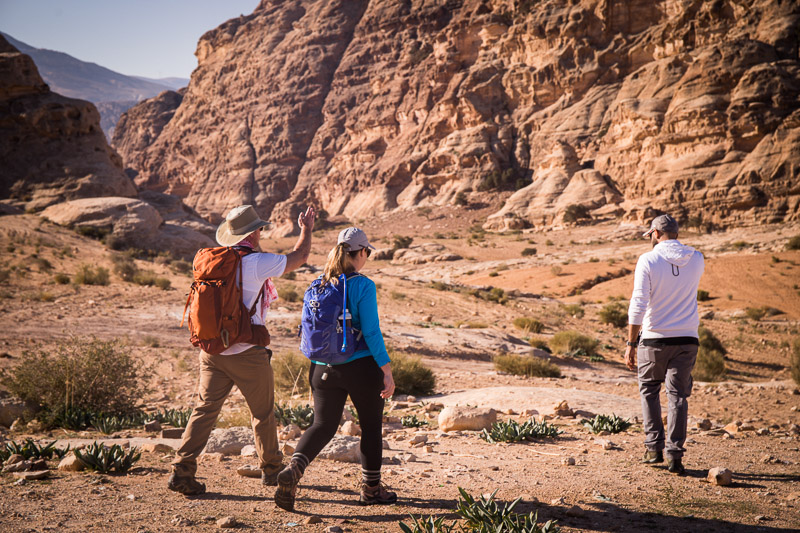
<point x="362" y="379"/>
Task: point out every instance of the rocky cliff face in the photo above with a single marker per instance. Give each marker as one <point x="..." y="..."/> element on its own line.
<point x="584" y="108"/>
<point x="51" y="147"/>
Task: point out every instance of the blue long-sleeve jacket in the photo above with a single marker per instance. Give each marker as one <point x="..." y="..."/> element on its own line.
<point x="362" y="302"/>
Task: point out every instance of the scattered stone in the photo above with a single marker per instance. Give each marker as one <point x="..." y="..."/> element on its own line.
<point x="562" y="409"/>
<point x="14" y="458"/>
<point x="287" y="449"/>
<point x="71" y="463"/>
<point x="249" y="471"/>
<point x="762" y="518"/>
<point x="576" y="512"/>
<point x="747" y="427"/>
<point x="347" y="416"/>
<point x="568" y="461"/>
<point x="605" y="444"/>
<point x="21" y="466"/>
<point x="411" y="399"/>
<point x="530" y="413"/>
<point x="131" y="497"/>
<point x="313" y="519"/>
<point x="794" y="429"/>
<point x="211" y="457"/>
<point x="333" y="529"/>
<point x="456" y="418"/>
<point x="410" y="458"/>
<point x="227" y="522"/>
<point x="419" y="439"/>
<point x="350" y="428"/>
<point x="180" y="521"/>
<point x="558" y="501"/>
<point x="727" y="435"/>
<point x="12" y="410"/>
<point x="720" y="476"/>
<point x="704" y="424"/>
<point x="385" y="444"/>
<point x="429" y="449"/>
<point x="290" y="432"/>
<point x="39" y="464"/>
<point x="172" y="433"/>
<point x="32" y="475"/>
<point x="763" y="432"/>
<point x="154" y="426"/>
<point x="733" y="427"/>
<point x="17" y="425"/>
<point x="229" y="441"/>
<point x="250" y="451"/>
<point x="433" y="406"/>
<point x="156" y="447"/>
<point x="342" y="448"/>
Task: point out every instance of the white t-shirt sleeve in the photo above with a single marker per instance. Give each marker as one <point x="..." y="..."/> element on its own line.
<point x="270" y="266"/>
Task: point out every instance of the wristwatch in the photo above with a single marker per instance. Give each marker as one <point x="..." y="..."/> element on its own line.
<point x="629" y="343"/>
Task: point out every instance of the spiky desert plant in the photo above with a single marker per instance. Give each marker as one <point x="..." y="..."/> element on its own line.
<point x="105" y="459"/>
<point x="300" y="415"/>
<point x="611" y="424"/>
<point x="513" y="431"/>
<point x="411" y="421"/>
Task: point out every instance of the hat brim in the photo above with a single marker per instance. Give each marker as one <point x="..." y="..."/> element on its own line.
<point x="649" y="232"/>
<point x="226" y="238"/>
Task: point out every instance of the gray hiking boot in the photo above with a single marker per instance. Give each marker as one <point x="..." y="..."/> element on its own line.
<point x="287" y="479"/>
<point x="377" y="495"/>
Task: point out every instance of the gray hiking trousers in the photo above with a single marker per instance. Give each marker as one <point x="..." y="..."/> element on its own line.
<point x="673" y="365"/>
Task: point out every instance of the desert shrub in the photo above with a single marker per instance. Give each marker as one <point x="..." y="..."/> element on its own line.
<point x="124" y="267"/>
<point x="4" y="274"/>
<point x="794" y="364"/>
<point x="89" y="275"/>
<point x="528" y="252"/>
<point x="574" y="344"/>
<point x="461" y="198"/>
<point x="411" y="421"/>
<point x="513" y="431"/>
<point x="178" y="418"/>
<point x="611" y="424"/>
<point x="180" y="266"/>
<point x="92" y="232"/>
<point x="493" y="274"/>
<point x="291" y="373"/>
<point x="542" y="344"/>
<point x="738" y="245"/>
<point x="290" y="275"/>
<point x="105" y="459"/>
<point x="530" y="325"/>
<point x="709" y="341"/>
<point x="288" y="293"/>
<point x="400" y="242"/>
<point x="31" y="450"/>
<point x="471" y="325"/>
<point x="398" y="295"/>
<point x="300" y="415"/>
<point x="144" y="277"/>
<point x="575" y="213"/>
<point x="163" y="283"/>
<point x="42" y="264"/>
<point x="615" y="313"/>
<point x="574" y="310"/>
<point x="703" y="296"/>
<point x="80" y="373"/>
<point x="526" y="365"/>
<point x="506" y="180"/>
<point x="439" y="286"/>
<point x="411" y="375"/>
<point x="61" y="278"/>
<point x="710" y="364"/>
<point x="755" y="313"/>
<point x="794" y="243"/>
<point x="556" y="270"/>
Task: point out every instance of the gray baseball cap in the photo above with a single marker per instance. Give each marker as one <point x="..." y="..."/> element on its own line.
<point x="355" y="238"/>
<point x="663" y="223"/>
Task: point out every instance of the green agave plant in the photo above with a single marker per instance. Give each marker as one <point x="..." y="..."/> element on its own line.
<point x="105" y="459"/>
<point x="611" y="424"/>
<point x="513" y="431"/>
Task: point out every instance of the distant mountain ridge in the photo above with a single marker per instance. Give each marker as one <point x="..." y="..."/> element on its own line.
<point x="112" y="91"/>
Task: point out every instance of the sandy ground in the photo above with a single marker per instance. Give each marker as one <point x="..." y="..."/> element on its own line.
<point x="456" y="334"/>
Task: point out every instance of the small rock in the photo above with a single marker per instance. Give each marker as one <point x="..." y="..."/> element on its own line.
<point x="250" y="451"/>
<point x="351" y="429"/>
<point x="172" y="433"/>
<point x="313" y="519"/>
<point x="762" y="518"/>
<point x="704" y="424"/>
<point x="249" y="471"/>
<point x="290" y="432"/>
<point x="733" y="427"/>
<point x="433" y="406"/>
<point x="287" y="450"/>
<point x="71" y="463"/>
<point x="180" y="521"/>
<point x="229" y="441"/>
<point x="333" y="529"/>
<point x="211" y="457"/>
<point x="794" y="429"/>
<point x="427" y="318"/>
<point x="154" y="426"/>
<point x="767" y="459"/>
<point x="419" y="439"/>
<point x="411" y="399"/>
<point x="39" y="464"/>
<point x="32" y="475"/>
<point x="343" y="449"/>
<point x="562" y="409"/>
<point x="227" y="522"/>
<point x="576" y="511"/>
<point x="17" y="425"/>
<point x="14" y="458"/>
<point x="530" y="412"/>
<point x="605" y="444"/>
<point x="762" y="432"/>
<point x="720" y="476"/>
<point x="558" y="501"/>
<point x="385" y="444"/>
<point x="21" y="466"/>
<point x="156" y="447"/>
<point x="131" y="497"/>
<point x="410" y="458"/>
<point x="568" y="461"/>
<point x="429" y="449"/>
<point x="457" y="418"/>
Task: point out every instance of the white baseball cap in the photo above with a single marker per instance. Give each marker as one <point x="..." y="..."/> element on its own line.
<point x="355" y="238"/>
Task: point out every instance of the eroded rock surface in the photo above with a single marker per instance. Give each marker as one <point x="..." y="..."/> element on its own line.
<point x="51" y="147"/>
<point x="599" y="108"/>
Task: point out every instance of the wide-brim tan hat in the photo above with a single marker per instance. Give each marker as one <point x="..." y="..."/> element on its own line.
<point x="240" y="222"/>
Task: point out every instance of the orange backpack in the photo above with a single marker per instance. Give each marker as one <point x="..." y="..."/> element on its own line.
<point x="218" y="317"/>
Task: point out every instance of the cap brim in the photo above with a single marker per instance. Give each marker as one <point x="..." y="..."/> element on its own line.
<point x="647" y="234"/>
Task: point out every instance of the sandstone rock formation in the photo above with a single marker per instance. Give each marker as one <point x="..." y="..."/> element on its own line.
<point x="51" y="147"/>
<point x="587" y="108"/>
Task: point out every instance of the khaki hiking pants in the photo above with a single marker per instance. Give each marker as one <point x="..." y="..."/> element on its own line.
<point x="671" y="365"/>
<point x="251" y="372"/>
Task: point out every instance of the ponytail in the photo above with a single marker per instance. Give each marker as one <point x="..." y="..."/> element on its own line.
<point x="340" y="261"/>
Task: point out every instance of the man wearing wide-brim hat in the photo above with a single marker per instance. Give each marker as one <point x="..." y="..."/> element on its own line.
<point x="245" y="365"/>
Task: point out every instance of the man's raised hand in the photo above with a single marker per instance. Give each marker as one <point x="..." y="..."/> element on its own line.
<point x="306" y="220"/>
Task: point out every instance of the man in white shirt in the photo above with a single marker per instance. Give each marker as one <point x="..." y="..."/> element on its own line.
<point x="663" y="309"/>
<point x="245" y="365"/>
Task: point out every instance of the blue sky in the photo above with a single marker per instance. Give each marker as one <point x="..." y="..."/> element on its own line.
<point x="152" y="38"/>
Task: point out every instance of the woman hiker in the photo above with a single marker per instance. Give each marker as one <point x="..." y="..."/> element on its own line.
<point x="366" y="377"/>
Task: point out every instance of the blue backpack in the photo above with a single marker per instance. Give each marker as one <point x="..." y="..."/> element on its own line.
<point x="326" y="332"/>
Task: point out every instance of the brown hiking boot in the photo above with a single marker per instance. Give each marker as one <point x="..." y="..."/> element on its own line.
<point x="377" y="495"/>
<point x="186" y="485"/>
<point x="287" y="479"/>
<point x="676" y="467"/>
<point x="652" y="457"/>
<point x="269" y="479"/>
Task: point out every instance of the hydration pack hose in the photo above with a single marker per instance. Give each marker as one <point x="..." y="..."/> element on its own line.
<point x="344" y="314"/>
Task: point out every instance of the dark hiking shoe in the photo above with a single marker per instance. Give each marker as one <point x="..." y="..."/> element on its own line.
<point x="187" y="485"/>
<point x="377" y="495"/>
<point x="652" y="457"/>
<point x="676" y="467"/>
<point x="287" y="479"/>
<point x="269" y="479"/>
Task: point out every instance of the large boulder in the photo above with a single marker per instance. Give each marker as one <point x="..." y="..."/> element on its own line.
<point x="11" y="409"/>
<point x="457" y="418"/>
<point x="51" y="147"/>
<point x="344" y="449"/>
<point x="229" y="441"/>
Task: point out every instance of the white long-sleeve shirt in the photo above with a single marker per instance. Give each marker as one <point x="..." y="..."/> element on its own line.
<point x="664" y="300"/>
